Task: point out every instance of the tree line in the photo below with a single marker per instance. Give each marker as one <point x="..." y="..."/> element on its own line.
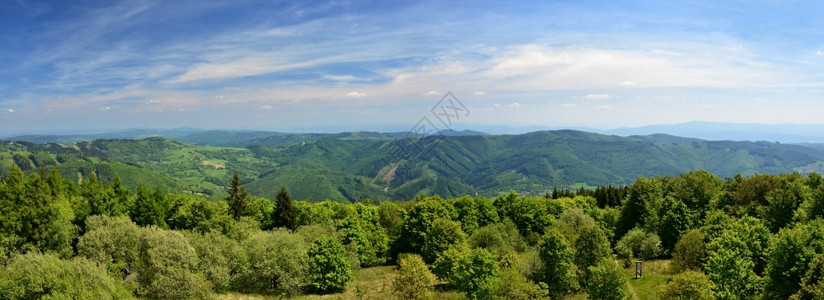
<point x="728" y="238"/>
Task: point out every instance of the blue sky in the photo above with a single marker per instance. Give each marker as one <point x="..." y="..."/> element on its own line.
<point x="327" y="65"/>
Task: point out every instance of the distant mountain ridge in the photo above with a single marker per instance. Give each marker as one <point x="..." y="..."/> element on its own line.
<point x="711" y="131"/>
<point x="351" y="166"/>
<point x="784" y="133"/>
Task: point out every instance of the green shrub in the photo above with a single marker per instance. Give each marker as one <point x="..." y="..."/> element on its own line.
<point x="275" y="261"/>
<point x="329" y="269"/>
<point x="559" y="269"/>
<point x="413" y="280"/>
<point x="442" y="235"/>
<point x="499" y="238"/>
<point x="590" y="247"/>
<point x="625" y="255"/>
<point x="651" y="247"/>
<point x="471" y="271"/>
<point x="44" y="276"/>
<point x="514" y="286"/>
<point x="167" y="262"/>
<point x="607" y="281"/>
<point x="218" y="257"/>
<point x="633" y="240"/>
<point x="689" y="252"/>
<point x="688" y="285"/>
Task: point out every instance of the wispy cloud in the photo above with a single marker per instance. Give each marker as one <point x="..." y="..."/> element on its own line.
<point x="597" y="96"/>
<point x="355" y="94"/>
<point x="142" y="57"/>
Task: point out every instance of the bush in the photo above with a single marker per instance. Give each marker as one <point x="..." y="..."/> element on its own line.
<point x="812" y="286"/>
<point x="732" y="274"/>
<point x="472" y="272"/>
<point x="110" y="240"/>
<point x="689" y="252"/>
<point x="513" y="285"/>
<point x="625" y="255"/>
<point x="559" y="270"/>
<point x="442" y="235"/>
<point x="329" y="269"/>
<point x="790" y="253"/>
<point x="166" y="264"/>
<point x="413" y="280"/>
<point x="688" y="285"/>
<point x="607" y="281"/>
<point x="651" y="247"/>
<point x="44" y="276"/>
<point x="590" y="247"/>
<point x="572" y="221"/>
<point x="218" y="257"/>
<point x="275" y="260"/>
<point x="633" y="240"/>
<point x="498" y="238"/>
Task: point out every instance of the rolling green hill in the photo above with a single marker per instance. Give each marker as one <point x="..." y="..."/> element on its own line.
<point x="352" y="166"/>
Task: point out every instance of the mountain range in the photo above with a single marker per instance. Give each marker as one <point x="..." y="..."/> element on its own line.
<point x="351" y="166"/>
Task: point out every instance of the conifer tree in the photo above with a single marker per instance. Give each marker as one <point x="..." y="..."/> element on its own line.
<point x="285" y="213"/>
<point x="239" y="203"/>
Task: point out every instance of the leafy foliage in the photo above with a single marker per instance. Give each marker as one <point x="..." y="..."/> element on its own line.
<point x="559" y="269"/>
<point x="607" y="281"/>
<point x="328" y="267"/>
<point x="688" y="285"/>
<point x="44" y="276"/>
<point x="689" y="252"/>
<point x="590" y="248"/>
<point x="414" y="281"/>
<point x="471" y="271"/>
<point x="275" y="261"/>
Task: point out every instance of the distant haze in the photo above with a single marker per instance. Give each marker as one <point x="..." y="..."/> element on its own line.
<point x="711" y="131"/>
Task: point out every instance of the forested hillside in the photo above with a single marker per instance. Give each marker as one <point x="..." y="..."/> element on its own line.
<point x="348" y="167"/>
<point x="701" y="237"/>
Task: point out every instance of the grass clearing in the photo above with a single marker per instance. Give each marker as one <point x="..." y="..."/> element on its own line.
<point x="655" y="274"/>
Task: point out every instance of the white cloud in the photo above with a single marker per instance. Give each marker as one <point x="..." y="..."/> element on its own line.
<point x="496" y="105"/>
<point x="154" y="101"/>
<point x="355" y="94"/>
<point x="11" y="110"/>
<point x="819" y="52"/>
<point x="266" y="107"/>
<point x="514" y="104"/>
<point x="259" y="65"/>
<point x="339" y="77"/>
<point x="708" y="106"/>
<point x="604" y="107"/>
<point x="568" y="105"/>
<point x="431" y="93"/>
<point x="106" y="108"/>
<point x="598" y="96"/>
<point x="480" y="93"/>
<point x="628" y="83"/>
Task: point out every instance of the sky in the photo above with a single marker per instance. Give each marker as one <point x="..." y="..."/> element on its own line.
<point x="384" y="65"/>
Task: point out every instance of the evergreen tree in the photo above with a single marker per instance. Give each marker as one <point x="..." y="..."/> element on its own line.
<point x="149" y="208"/>
<point x="285" y="213"/>
<point x="120" y="194"/>
<point x="239" y="203"/>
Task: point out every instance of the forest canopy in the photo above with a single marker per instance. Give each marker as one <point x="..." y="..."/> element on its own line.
<point x="727" y="238"/>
